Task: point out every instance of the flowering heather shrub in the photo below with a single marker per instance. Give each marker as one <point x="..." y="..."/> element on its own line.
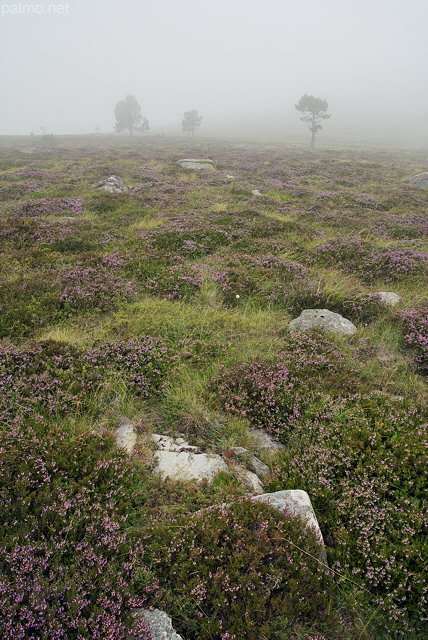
<point x="61" y="234"/>
<point x="26" y="304"/>
<point x="234" y="282"/>
<point x="177" y="282"/>
<point x="403" y="226"/>
<point x="274" y="395"/>
<point x="363" y="461"/>
<point x="142" y="362"/>
<point x="67" y="564"/>
<point x="268" y="395"/>
<point x="18" y="189"/>
<point x="52" y="378"/>
<point x="90" y="287"/>
<point x="47" y="378"/>
<point x="415" y="325"/>
<point x="51" y="207"/>
<point x="371" y="263"/>
<point x="246" y="274"/>
<point x="229" y="571"/>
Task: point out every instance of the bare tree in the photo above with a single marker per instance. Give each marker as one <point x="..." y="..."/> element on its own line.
<point x="314" y="110"/>
<point x="128" y="116"/>
<point x="191" y="121"/>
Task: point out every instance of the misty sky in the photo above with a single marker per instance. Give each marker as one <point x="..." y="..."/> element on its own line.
<point x="226" y="58"/>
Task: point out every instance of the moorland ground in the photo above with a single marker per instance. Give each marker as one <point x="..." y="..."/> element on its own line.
<point x="169" y="305"/>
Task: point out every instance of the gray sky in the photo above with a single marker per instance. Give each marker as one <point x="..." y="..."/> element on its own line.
<point x="65" y="65"/>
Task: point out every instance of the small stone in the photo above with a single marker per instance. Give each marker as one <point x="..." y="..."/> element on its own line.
<point x="160" y="624"/>
<point x="252" y="481"/>
<point x="113" y="184"/>
<point x="259" y="468"/>
<point x="126" y="436"/>
<point x="388" y="297"/>
<point x="256" y="192"/>
<point x="265" y="441"/>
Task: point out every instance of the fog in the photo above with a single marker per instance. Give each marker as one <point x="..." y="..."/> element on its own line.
<point x="242" y="64"/>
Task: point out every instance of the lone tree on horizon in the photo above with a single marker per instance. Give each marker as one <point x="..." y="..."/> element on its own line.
<point x="128" y="116"/>
<point x="191" y="121"/>
<point x="314" y="110"/>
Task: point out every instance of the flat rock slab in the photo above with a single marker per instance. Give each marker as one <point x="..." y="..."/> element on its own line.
<point x="112" y="184"/>
<point x="160" y="624"/>
<point x="296" y="502"/>
<point x="322" y="319"/>
<point x="197" y="164"/>
<point x="185" y="465"/>
<point x="420" y="180"/>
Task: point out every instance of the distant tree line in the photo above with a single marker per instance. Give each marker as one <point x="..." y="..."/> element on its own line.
<point x="129" y="117"/>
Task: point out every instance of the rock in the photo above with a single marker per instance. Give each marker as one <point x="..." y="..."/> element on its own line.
<point x="165" y="443"/>
<point x="259" y="467"/>
<point x="388" y="297"/>
<point x="126" y="436"/>
<point x="184" y="465"/>
<point x="160" y="624"/>
<point x="197" y="164"/>
<point x="256" y="192"/>
<point x="113" y="184"/>
<point x="296" y="502"/>
<point x="420" y="180"/>
<point x="322" y="319"/>
<point x="251" y="481"/>
<point x="266" y="442"/>
<point x="177" y="459"/>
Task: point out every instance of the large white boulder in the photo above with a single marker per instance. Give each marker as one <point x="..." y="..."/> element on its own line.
<point x="296" y="502"/>
<point x="322" y="319"/>
<point x="420" y="180"/>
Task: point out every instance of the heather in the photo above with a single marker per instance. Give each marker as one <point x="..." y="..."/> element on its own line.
<point x="67" y="562"/>
<point x="216" y="597"/>
<point x="168" y="306"/>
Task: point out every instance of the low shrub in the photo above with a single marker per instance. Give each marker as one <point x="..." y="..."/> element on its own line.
<point x="363" y="462"/>
<point x="51" y="378"/>
<point x="51" y="207"/>
<point x="178" y="282"/>
<point x="92" y="287"/>
<point x="415" y="325"/>
<point x="229" y="571"/>
<point x="371" y="263"/>
<point x="67" y="563"/>
<point x="275" y="395"/>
